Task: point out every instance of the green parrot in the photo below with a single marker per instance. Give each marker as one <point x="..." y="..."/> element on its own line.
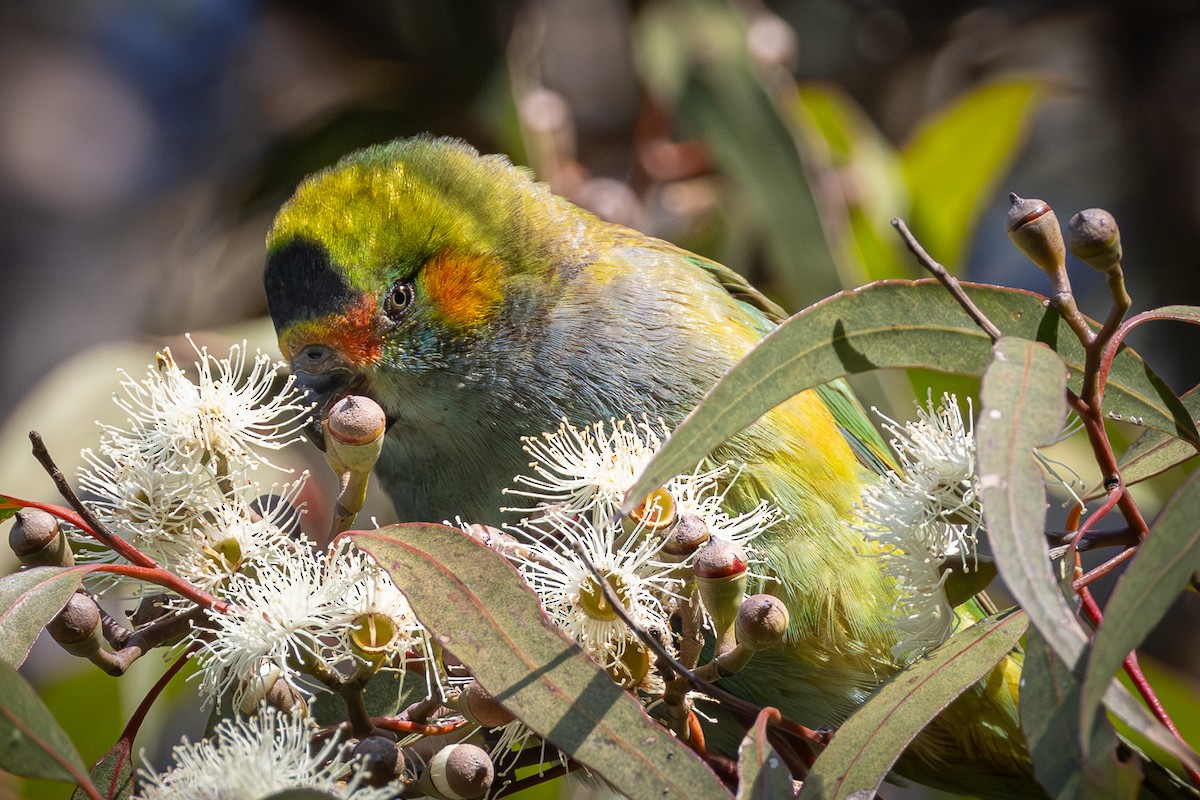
<point x="477" y="308"/>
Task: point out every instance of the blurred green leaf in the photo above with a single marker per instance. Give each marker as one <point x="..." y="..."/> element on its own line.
<point x="762" y="775"/>
<point x="864" y="749"/>
<point x="843" y="145"/>
<point x="28" y="600"/>
<point x="1050" y="722"/>
<point x="113" y="774"/>
<point x="1022" y="406"/>
<point x="1166" y="561"/>
<point x="956" y="158"/>
<point x="694" y="53"/>
<point x="480" y="610"/>
<point x="895" y="324"/>
<point x="31" y="742"/>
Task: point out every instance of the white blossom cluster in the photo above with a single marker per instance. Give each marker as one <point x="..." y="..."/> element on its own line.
<point x="258" y="757"/>
<point x="925" y="519"/>
<point x="178" y="481"/>
<point x="578" y="483"/>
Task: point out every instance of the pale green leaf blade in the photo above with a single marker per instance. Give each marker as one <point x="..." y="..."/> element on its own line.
<point x="113" y="774"/>
<point x="31" y="742"/>
<point x="481" y="611"/>
<point x="762" y="775"/>
<point x="1050" y="722"/>
<point x="895" y="324"/>
<point x="957" y="157"/>
<point x="1130" y="710"/>
<point x="1023" y="405"/>
<point x="1156" y="451"/>
<point x="1166" y="561"/>
<point x="864" y="749"/>
<point x="28" y="600"/>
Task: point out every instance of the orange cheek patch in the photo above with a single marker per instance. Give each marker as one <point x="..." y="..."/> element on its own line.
<point x="352" y="333"/>
<point x="463" y="289"/>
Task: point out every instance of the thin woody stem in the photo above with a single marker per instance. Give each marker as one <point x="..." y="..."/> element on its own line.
<point x="946" y="279"/>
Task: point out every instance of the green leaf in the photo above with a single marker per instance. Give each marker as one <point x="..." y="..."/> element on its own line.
<point x="762" y="775"/>
<point x="1023" y="405"/>
<point x="956" y="158"/>
<point x="8" y="507"/>
<point x="695" y="52"/>
<point x="481" y="611"/>
<point x="894" y="324"/>
<point x="113" y="774"/>
<point x="31" y="742"/>
<point x="864" y="749"/>
<point x="28" y="600"/>
<point x="1050" y="722"/>
<point x="1155" y="451"/>
<point x="1165" y="562"/>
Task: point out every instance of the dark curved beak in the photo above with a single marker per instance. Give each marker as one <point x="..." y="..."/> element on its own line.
<point x="322" y="389"/>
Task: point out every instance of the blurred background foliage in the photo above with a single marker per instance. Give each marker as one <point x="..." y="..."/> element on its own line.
<point x="145" y="145"/>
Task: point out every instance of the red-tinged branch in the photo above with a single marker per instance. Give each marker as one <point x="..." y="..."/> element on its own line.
<point x="139" y="715"/>
<point x="91" y="524"/>
<point x="422" y="728"/>
<point x="1134" y="671"/>
<point x="167" y="580"/>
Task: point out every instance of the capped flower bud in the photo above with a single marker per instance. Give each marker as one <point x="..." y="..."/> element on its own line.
<point x="286" y="697"/>
<point x="1094" y="239"/>
<point x="688" y="535"/>
<point x="655" y="513"/>
<point x="721" y="558"/>
<point x="1033" y="228"/>
<point x="77" y="626"/>
<point x="458" y="772"/>
<point x="356" y="420"/>
<point x="761" y="621"/>
<point x="258" y="688"/>
<point x="720" y="571"/>
<point x="481" y="707"/>
<point x="377" y="756"/>
<point x="38" y="541"/>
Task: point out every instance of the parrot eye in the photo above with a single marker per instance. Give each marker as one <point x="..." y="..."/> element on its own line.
<point x="398" y="300"/>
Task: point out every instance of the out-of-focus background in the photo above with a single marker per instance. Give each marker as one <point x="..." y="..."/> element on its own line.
<point x="145" y="145"/>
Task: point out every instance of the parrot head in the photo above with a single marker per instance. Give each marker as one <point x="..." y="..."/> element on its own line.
<point x="418" y="273"/>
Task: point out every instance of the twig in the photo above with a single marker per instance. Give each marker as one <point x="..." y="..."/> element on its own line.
<point x="98" y="528"/>
<point x="946" y="279"/>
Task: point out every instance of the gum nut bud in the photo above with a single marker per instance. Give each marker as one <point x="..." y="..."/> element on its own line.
<point x="286" y="697"/>
<point x="356" y="420"/>
<point x="458" y="772"/>
<point x="1094" y="239"/>
<point x="1033" y="228"/>
<point x="720" y="558"/>
<point x="77" y="626"/>
<point x="483" y="708"/>
<point x="688" y="535"/>
<point x="378" y="756"/>
<point x="38" y="541"/>
<point x="761" y="621"/>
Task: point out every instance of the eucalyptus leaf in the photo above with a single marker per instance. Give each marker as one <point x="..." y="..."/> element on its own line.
<point x="1165" y="562"/>
<point x="1049" y="699"/>
<point x="864" y="749"/>
<point x="1155" y="451"/>
<point x="762" y="775"/>
<point x="28" y="600"/>
<point x="895" y="324"/>
<point x="957" y="157"/>
<point x="113" y="774"/>
<point x="1023" y="405"/>
<point x="32" y="744"/>
<point x="480" y="610"/>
